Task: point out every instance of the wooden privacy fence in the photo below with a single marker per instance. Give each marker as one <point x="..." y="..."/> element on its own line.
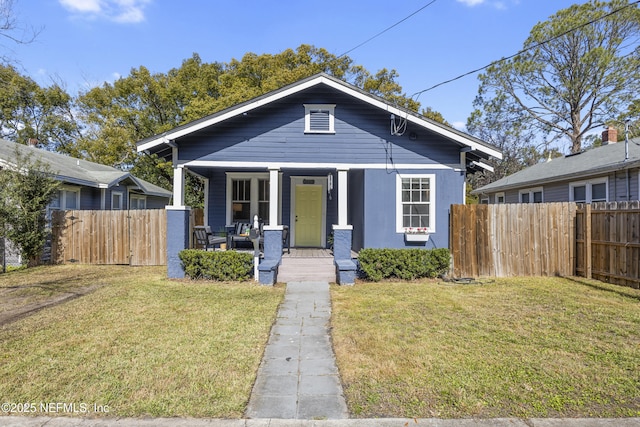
<point x="545" y="239"/>
<point x="135" y="237"/>
<point x="501" y="240"/>
<point x="608" y="242"/>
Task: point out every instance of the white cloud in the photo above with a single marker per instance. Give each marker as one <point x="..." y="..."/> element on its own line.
<point x="121" y="11"/>
<point x="471" y="2"/>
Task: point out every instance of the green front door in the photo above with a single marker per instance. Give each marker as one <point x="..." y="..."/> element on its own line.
<point x="308" y="213"/>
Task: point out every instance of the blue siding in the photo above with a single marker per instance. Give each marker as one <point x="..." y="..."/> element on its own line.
<point x="155" y="202"/>
<point x="356" y="207"/>
<point x="90" y="198"/>
<point x="380" y="208"/>
<point x="276" y="133"/>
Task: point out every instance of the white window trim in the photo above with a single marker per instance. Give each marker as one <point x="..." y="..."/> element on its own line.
<point x="307" y="117"/>
<point x="133" y="197"/>
<point x="484" y="200"/>
<point x="254" y="177"/>
<point x="63" y="202"/>
<point x="504" y="199"/>
<point x="432" y="201"/>
<point x="530" y="191"/>
<point x="587" y="184"/>
<point x="117" y="193"/>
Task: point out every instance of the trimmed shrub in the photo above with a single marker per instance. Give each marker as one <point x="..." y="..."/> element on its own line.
<point x="221" y="265"/>
<point x="405" y="264"/>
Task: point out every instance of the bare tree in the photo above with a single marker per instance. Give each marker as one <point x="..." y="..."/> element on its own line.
<point x="12" y="30"/>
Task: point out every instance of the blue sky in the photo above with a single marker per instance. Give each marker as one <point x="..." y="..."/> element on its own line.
<point x="86" y="42"/>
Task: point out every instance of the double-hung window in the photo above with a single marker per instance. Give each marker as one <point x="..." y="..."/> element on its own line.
<point x="137" y="201"/>
<point x="66" y="199"/>
<point x="116" y="201"/>
<point x="247" y="195"/>
<point x="415" y="202"/>
<point x="591" y="191"/>
<point x="531" y="195"/>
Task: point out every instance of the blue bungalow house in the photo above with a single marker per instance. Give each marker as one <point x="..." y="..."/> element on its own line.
<point x="316" y="159"/>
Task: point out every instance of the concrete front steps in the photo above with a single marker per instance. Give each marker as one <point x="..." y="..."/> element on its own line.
<point x="304" y="265"/>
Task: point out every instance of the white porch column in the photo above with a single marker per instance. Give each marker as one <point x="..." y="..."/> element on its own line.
<point x="274" y="185"/>
<point x="342" y="197"/>
<point x="178" y="186"/>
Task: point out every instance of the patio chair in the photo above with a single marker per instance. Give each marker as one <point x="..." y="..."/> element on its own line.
<point x="202" y="236"/>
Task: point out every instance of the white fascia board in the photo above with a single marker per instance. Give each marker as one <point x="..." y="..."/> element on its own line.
<point x="483" y="166"/>
<point x="169" y="136"/>
<point x="301" y="165"/>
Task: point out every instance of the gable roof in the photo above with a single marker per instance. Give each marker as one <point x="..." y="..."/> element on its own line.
<point x="474" y="147"/>
<point x="77" y="171"/>
<point x="582" y="165"/>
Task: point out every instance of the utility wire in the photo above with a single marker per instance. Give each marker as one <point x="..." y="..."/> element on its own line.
<point x="417" y="94"/>
<point x="388" y="28"/>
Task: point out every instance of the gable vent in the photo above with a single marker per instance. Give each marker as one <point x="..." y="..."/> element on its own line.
<point x="320" y="120"/>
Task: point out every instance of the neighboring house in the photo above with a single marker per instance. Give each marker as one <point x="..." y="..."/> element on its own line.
<point x="325" y="160"/>
<point x="85" y="185"/>
<point x="604" y="174"/>
<point x="88" y="185"/>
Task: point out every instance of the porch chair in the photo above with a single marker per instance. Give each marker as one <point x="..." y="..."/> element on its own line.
<point x="202" y="236"/>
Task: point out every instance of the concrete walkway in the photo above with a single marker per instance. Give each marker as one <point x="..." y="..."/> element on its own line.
<point x="298" y="377"/>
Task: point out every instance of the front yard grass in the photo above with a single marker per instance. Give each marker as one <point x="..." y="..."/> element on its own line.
<point x="139" y="345"/>
<point x="519" y="347"/>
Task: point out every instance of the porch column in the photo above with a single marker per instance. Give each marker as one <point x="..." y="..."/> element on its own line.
<point x="274" y="174"/>
<point x="342" y="197"/>
<point x="268" y="268"/>
<point x="178" y="186"/>
<point x="342" y="235"/>
<point x="177" y="239"/>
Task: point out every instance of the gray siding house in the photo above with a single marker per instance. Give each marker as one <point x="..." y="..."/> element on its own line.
<point x="89" y="185"/>
<point x="85" y="185"/>
<point x="605" y="174"/>
<point x="320" y="159"/>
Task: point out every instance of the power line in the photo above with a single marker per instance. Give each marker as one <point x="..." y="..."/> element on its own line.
<point x="388" y="28"/>
<point x="417" y="94"/>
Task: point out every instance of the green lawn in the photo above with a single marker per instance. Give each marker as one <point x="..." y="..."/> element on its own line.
<point x="139" y="345"/>
<point x="522" y="347"/>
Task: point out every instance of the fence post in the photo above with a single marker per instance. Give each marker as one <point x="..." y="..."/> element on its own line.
<point x="587" y="241"/>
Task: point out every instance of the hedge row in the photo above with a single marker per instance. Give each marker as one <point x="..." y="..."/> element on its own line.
<point x="405" y="264"/>
<point x="221" y="265"/>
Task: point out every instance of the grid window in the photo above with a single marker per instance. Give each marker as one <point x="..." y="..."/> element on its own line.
<point x="416" y="202"/>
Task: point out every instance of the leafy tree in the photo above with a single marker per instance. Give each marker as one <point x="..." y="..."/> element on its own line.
<point x="26" y="193"/>
<point x="435" y="116"/>
<point x="578" y="69"/>
<point x="28" y="111"/>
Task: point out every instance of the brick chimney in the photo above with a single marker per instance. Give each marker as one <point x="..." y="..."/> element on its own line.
<point x="32" y="142"/>
<point x="610" y="136"/>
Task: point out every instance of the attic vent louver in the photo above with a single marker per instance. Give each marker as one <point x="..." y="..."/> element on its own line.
<point x="319" y="118"/>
